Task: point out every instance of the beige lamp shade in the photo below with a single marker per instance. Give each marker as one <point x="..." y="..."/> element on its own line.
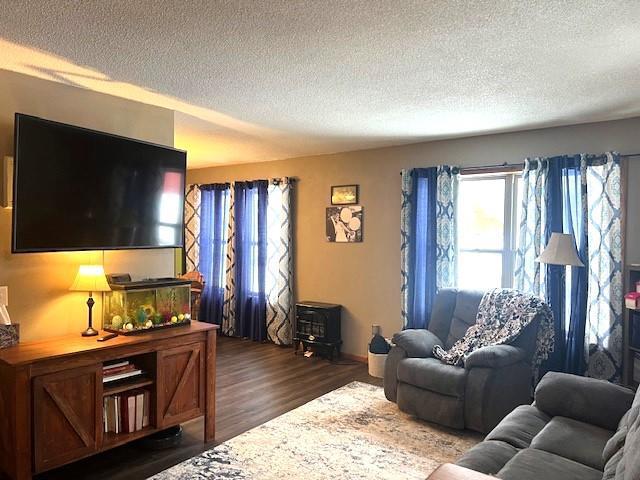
<point x="561" y="250"/>
<point x="90" y="278"/>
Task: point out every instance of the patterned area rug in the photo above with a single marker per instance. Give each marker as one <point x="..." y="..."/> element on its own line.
<point x="350" y="433"/>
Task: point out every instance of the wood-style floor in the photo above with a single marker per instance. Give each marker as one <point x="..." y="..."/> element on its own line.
<point x="256" y="382"/>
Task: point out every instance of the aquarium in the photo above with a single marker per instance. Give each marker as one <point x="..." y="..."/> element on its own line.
<point x="138" y="306"/>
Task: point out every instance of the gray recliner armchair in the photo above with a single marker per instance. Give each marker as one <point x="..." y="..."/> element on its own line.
<point x="493" y="381"/>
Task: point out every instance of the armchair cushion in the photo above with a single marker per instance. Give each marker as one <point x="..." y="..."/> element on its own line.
<point x="495" y="356"/>
<point x="431" y="374"/>
<point x="586" y="399"/>
<point x="417" y="343"/>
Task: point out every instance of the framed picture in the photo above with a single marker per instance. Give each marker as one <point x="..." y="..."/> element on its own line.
<point x="344" y="224"/>
<point x="344" y="194"/>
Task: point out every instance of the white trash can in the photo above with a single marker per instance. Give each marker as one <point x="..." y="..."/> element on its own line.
<point x="376" y="364"/>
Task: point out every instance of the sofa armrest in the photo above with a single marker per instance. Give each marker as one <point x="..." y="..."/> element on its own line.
<point x="494" y="356"/>
<point x="449" y="471"/>
<point x="586" y="399"/>
<point x="418" y="343"/>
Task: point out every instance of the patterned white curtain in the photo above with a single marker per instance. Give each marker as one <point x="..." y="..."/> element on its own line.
<point x="446" y="227"/>
<point x="279" y="276"/>
<point x="603" y="327"/>
<point x="444" y="179"/>
<point x="529" y="274"/>
<point x="605" y="289"/>
<point x="405" y="240"/>
<point x="229" y="307"/>
<point x="192" y="227"/>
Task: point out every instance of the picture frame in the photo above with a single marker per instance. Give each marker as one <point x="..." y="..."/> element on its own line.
<point x="344" y="194"/>
<point x="344" y="224"/>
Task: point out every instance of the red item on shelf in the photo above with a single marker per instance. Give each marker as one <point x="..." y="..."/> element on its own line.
<point x="632" y="300"/>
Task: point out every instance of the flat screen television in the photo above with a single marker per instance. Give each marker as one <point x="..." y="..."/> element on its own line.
<point x="80" y="189"/>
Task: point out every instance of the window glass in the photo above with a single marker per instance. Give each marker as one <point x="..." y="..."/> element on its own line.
<point x="479" y="271"/>
<point x="488" y="220"/>
<point x="481" y="214"/>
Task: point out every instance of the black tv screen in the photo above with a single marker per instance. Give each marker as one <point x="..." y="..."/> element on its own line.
<point x="79" y="189"/>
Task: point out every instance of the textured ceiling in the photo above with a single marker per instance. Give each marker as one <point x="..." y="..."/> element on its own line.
<point x="260" y="80"/>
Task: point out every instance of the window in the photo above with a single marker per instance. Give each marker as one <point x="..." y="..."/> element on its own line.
<point x="488" y="219"/>
<point x="254" y="242"/>
<point x="220" y="238"/>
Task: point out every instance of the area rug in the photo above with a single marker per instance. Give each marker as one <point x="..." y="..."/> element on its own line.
<point x="353" y="432"/>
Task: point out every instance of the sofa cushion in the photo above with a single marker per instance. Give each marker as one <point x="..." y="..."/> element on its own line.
<point x="520" y="426"/>
<point x="575" y="440"/>
<point x="532" y="464"/>
<point x="464" y="315"/>
<point x="432" y="374"/>
<point x="488" y="457"/>
<point x="616" y="442"/>
<point x="586" y="399"/>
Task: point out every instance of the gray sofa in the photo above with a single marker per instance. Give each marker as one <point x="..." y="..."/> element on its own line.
<point x="493" y="381"/>
<point x="577" y="429"/>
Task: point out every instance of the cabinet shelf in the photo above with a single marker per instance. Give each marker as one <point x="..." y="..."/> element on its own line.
<point x="111" y="439"/>
<point x="126" y="384"/>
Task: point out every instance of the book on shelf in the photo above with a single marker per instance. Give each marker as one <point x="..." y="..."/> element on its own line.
<point x="109" y="366"/>
<point x="114" y="371"/>
<point x="636" y="367"/>
<point x="127" y="412"/>
<point x="139" y="413"/>
<point x="121" y="376"/>
<point x="119" y="371"/>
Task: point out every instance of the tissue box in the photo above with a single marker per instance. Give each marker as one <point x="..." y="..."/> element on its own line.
<point x="9" y="335"/>
<point x="632" y="300"/>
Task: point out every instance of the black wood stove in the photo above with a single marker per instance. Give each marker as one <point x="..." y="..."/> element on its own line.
<point x="318" y="327"/>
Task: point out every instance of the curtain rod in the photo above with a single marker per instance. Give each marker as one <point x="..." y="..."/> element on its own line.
<point x="514" y="167"/>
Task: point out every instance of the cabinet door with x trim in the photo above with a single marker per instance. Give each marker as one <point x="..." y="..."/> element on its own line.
<point x="181" y="384"/>
<point x="67" y="416"/>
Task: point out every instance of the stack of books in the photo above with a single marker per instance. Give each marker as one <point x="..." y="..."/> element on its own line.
<point x="119" y="371"/>
<point x="126" y="412"/>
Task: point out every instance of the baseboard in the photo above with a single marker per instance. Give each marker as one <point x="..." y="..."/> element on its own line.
<point x="355" y="358"/>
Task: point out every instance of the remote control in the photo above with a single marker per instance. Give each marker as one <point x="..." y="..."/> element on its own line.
<point x="106" y="337"/>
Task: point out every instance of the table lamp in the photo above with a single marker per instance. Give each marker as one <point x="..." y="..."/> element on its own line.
<point x="90" y="278"/>
<point x="561" y="250"/>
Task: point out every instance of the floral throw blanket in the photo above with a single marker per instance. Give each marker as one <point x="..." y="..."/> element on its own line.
<point x="502" y="315"/>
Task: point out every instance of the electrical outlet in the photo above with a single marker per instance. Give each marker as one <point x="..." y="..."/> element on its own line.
<point x="4" y="296"/>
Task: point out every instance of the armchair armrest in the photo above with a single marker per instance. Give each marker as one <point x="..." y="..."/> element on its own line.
<point x="494" y="356"/>
<point x="449" y="471"/>
<point x="418" y="343"/>
<point x="586" y="399"/>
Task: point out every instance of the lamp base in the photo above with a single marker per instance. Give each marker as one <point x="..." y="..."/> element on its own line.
<point x="90" y="332"/>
